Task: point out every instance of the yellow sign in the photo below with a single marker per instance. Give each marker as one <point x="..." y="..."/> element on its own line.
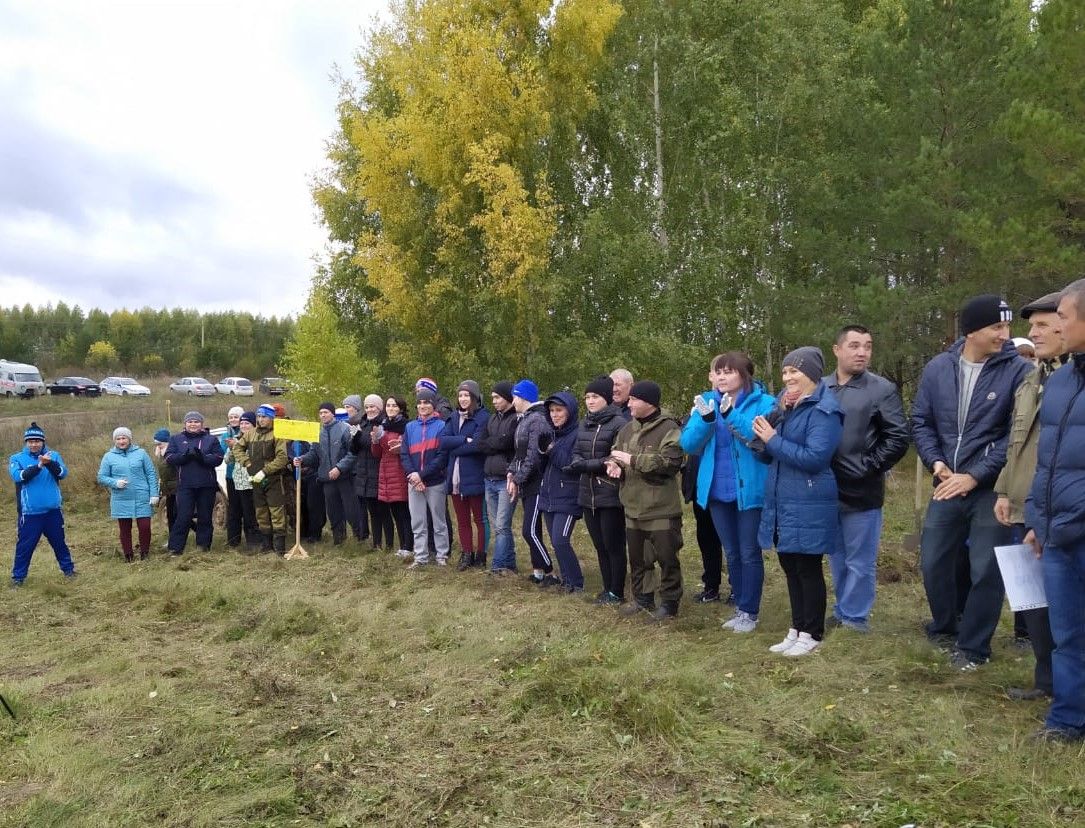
<point x="297" y="430"/>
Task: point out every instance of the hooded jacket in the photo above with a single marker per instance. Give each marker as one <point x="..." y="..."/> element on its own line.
<point x="366" y="466"/>
<point x="498" y="443"/>
<point x="1055" y="508"/>
<point x="421" y="450"/>
<point x="560" y="489"/>
<point x="465" y="457"/>
<point x="874" y="440"/>
<point x="260" y="450"/>
<point x="134" y="465"/>
<point x="533" y="435"/>
<point x="650" y="489"/>
<point x="37" y="489"/>
<point x="392" y="480"/>
<point x="699" y="439"/>
<point x="594" y="439"/>
<point x="195" y="456"/>
<point x="801" y="511"/>
<point x="332" y="449"/>
<point x="979" y="449"/>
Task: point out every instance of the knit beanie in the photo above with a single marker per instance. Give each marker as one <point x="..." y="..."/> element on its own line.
<point x="646" y="391"/>
<point x="472" y="388"/>
<point x="373" y="399"/>
<point x="34" y="433"/>
<point x="503" y="389"/>
<point x="807" y="359"/>
<point x="981" y="311"/>
<point x="194" y="415"/>
<point x="353" y="401"/>
<point x="266" y="410"/>
<point x="603" y="386"/>
<point x="162" y="435"/>
<point x="326" y="406"/>
<point x="280" y="410"/>
<point x="248" y="417"/>
<point x="426" y="382"/>
<point x="121" y="431"/>
<point x="425" y="395"/>
<point x="527" y="390"/>
<point x="235" y="411"/>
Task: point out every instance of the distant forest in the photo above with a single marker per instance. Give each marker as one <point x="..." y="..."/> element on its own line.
<point x="143" y="342"/>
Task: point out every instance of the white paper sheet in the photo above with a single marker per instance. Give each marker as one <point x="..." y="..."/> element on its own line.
<point x="1023" y="575"/>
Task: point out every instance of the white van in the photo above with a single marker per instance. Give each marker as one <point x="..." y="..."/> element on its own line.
<point x="17" y="379"/>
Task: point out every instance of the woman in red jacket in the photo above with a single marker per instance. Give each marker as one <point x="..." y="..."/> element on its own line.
<point x="391" y="479"/>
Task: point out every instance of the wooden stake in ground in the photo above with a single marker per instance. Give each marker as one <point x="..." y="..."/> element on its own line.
<point x="297" y="551"/>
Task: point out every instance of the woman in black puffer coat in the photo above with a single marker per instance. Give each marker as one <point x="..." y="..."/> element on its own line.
<point x="366" y="466"/>
<point x="603" y="513"/>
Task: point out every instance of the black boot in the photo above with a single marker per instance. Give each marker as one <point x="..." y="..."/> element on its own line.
<point x="668" y="610"/>
<point x="266" y="544"/>
<point x="279" y="544"/>
<point x="640" y="603"/>
<point x="480" y="560"/>
<point x="467" y="560"/>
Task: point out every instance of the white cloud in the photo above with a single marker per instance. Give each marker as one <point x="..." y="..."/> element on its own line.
<point x="160" y="152"/>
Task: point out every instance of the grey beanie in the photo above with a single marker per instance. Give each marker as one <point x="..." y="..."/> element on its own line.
<point x="472" y="388"/>
<point x="121" y="431"/>
<point x="354" y="401"/>
<point x="194" y="415"/>
<point x="807" y="359"/>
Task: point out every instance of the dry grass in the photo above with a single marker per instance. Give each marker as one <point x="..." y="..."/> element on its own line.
<point x="225" y="690"/>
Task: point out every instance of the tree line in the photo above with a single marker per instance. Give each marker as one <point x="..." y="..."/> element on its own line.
<point x="143" y="342"/>
<point x="523" y="187"/>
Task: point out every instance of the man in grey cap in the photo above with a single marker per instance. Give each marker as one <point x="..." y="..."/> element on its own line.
<point x="195" y="454"/>
<point x="1013" y="483"/>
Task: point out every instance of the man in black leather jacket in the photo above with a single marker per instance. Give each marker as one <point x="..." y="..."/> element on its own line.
<point x="875" y="438"/>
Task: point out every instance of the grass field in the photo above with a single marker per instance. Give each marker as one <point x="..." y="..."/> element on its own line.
<point x="221" y="690"/>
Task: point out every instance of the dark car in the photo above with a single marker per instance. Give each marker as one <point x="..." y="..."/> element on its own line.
<point x="273" y="386"/>
<point x="76" y="386"/>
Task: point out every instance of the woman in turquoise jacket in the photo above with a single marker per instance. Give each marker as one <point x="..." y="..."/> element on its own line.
<point x="730" y="478"/>
<point x="129" y="474"/>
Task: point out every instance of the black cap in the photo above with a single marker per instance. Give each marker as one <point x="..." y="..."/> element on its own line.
<point x="646" y="391"/>
<point x="603" y="386"/>
<point x="981" y="311"/>
<point x="503" y="389"/>
<point x="1045" y="304"/>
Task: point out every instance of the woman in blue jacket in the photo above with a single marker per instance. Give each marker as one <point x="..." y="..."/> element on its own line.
<point x="464" y="478"/>
<point x="560" y="489"/>
<point x="800" y="517"/>
<point x="129" y="474"/>
<point x="731" y="479"/>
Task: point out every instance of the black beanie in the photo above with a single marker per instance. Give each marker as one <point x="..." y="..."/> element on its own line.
<point x="603" y="386"/>
<point x="808" y="360"/>
<point x="329" y="406"/>
<point x="646" y="391"/>
<point x="503" y="389"/>
<point x="981" y="311"/>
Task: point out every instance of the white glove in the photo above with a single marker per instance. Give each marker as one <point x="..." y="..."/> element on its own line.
<point x="703" y="407"/>
<point x="378" y="432"/>
<point x="725" y="402"/>
<point x="259" y="477"/>
<point x="153" y="501"/>
<point x="122" y="484"/>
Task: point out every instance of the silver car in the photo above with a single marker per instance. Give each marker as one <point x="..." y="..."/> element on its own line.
<point x="193" y="386"/>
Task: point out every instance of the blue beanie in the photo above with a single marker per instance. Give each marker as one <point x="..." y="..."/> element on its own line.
<point x="525" y="389"/>
<point x="162" y="435"/>
<point x="34" y="433"/>
<point x="266" y="410"/>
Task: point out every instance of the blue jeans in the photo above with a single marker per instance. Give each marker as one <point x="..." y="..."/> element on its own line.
<point x="737" y="529"/>
<point x="31" y="528"/>
<point x="854" y="565"/>
<point x="964" y="526"/>
<point x="1064" y="582"/>
<point x="499" y="510"/>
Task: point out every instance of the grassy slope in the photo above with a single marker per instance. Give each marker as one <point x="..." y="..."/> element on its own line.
<point x="224" y="690"/>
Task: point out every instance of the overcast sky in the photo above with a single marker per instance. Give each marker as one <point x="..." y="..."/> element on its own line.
<point x="159" y="153"/>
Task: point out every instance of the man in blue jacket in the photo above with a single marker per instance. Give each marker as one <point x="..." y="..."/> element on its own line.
<point x="961" y="424"/>
<point x="1055" y="515"/>
<point x="195" y="454"/>
<point x="37" y="472"/>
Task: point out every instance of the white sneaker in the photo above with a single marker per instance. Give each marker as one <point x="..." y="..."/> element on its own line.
<point x="746" y="624"/>
<point x="785" y="645"/>
<point x="804" y="645"/>
<point x="404" y="553"/>
<point x="729" y="624"/>
<point x="418" y="565"/>
<point x="442" y="562"/>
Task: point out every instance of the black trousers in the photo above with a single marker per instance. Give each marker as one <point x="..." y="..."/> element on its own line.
<point x="363" y="519"/>
<point x="1038" y="625"/>
<point x="380" y="522"/>
<point x="400" y="514"/>
<point x="806" y="590"/>
<point x="313" y="514"/>
<point x="240" y="513"/>
<point x="606" y="528"/>
<point x="711" y="549"/>
<point x="198" y="502"/>
<point x="344" y="508"/>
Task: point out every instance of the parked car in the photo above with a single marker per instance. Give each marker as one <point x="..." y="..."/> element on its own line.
<point x="76" y="386"/>
<point x="193" y="386"/>
<point x="124" y="387"/>
<point x="17" y="379"/>
<point x="272" y="386"/>
<point x="235" y="385"/>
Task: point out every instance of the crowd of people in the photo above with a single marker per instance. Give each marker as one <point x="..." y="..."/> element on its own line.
<point x="998" y="422"/>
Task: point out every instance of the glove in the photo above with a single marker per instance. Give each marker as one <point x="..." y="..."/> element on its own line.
<point x="726" y="404"/>
<point x="259" y="477"/>
<point x="576" y="467"/>
<point x="378" y="432"/>
<point x="122" y="484"/>
<point x="153" y="501"/>
<point x="704" y="407"/>
<point x="194" y="452"/>
<point x="545" y="439"/>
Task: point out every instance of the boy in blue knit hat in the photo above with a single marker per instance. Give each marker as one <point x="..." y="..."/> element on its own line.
<point x="37" y="472"/>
